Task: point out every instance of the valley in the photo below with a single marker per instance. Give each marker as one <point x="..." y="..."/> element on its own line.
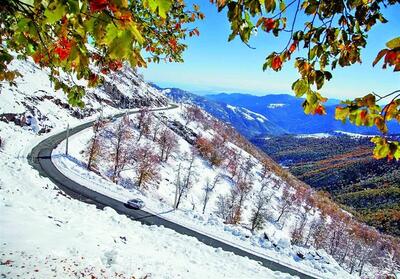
<point x="343" y="166"/>
<point x="326" y="154"/>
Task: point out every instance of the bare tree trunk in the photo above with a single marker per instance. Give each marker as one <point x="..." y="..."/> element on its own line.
<point x="205" y="201"/>
<point x="177" y="185"/>
<point x="116" y="160"/>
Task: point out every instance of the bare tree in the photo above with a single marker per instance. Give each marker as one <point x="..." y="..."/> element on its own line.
<point x="316" y="232"/>
<point x="94" y="147"/>
<point x="147" y="165"/>
<point x="266" y="169"/>
<point x="391" y="261"/>
<point x="168" y="142"/>
<point x="193" y="113"/>
<point x="184" y="180"/>
<point x="119" y="153"/>
<point x="238" y="196"/>
<point x="193" y="203"/>
<point x="209" y="188"/>
<point x="144" y="121"/>
<point x="233" y="161"/>
<point x="212" y="150"/>
<point x="239" y="192"/>
<point x="247" y="168"/>
<point x="259" y="212"/>
<point x="155" y="128"/>
<point x="224" y="207"/>
<point x="305" y="199"/>
<point x="286" y="203"/>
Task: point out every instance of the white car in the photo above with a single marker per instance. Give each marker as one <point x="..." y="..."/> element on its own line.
<point x="135" y="203"/>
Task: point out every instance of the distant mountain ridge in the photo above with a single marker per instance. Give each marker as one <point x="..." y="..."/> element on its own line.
<point x="286" y="111"/>
<point x="247" y="122"/>
<point x="272" y="114"/>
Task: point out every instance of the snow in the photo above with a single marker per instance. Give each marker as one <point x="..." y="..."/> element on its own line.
<point x="231" y="107"/>
<point x="49" y="234"/>
<point x="45" y="234"/>
<point x="159" y="201"/>
<point x="274" y="106"/>
<point x="354" y="135"/>
<point x="248" y="114"/>
<point x="316" y="136"/>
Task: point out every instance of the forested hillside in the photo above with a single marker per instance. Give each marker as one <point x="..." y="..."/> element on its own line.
<point x="343" y="166"/>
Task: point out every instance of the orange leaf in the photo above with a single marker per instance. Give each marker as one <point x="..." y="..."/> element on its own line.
<point x="277" y="63"/>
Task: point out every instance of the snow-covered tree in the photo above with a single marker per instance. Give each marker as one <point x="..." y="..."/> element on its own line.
<point x="120" y="141"/>
<point x="209" y="188"/>
<point x="233" y="161"/>
<point x="168" y="143"/>
<point x="144" y="120"/>
<point x="95" y="145"/>
<point x="193" y="113"/>
<point x="155" y="128"/>
<point x="260" y="211"/>
<point x="286" y="203"/>
<point x="184" y="179"/>
<point x="147" y="164"/>
<point x="224" y="207"/>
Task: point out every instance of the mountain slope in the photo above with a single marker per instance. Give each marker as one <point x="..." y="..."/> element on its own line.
<point x="342" y="165"/>
<point x="245" y="121"/>
<point x="286" y="111"/>
<point x="195" y="171"/>
<point x="45" y="234"/>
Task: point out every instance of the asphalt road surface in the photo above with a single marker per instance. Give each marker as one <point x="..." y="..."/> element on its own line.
<point x="40" y="159"/>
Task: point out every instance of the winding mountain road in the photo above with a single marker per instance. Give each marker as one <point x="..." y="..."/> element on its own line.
<point x="40" y="159"/>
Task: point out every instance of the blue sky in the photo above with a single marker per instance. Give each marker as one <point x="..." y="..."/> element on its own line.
<point x="214" y="65"/>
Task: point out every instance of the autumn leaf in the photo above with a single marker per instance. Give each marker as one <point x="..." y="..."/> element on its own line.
<point x="394" y="43"/>
<point x="98" y="5"/>
<point x="276" y="63"/>
<point x="320" y="110"/>
<point x="269" y="24"/>
<point x="292" y="47"/>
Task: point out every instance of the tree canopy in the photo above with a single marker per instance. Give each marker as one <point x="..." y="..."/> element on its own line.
<point x="90" y="38"/>
<point x="86" y="38"/>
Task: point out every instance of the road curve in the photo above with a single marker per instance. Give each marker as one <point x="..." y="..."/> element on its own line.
<point x="40" y="159"/>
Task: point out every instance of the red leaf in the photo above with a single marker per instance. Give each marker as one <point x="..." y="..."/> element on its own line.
<point x="320" y="110"/>
<point x="269" y="24"/>
<point x="63" y="48"/>
<point x="390" y="57"/>
<point x="293" y="47"/>
<point x="277" y="63"/>
<point x="98" y="5"/>
<point x="172" y="43"/>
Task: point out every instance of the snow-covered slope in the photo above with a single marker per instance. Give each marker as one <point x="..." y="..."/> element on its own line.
<point x="273" y="242"/>
<point x="49" y="234"/>
<point x="33" y="102"/>
<point x="247" y="122"/>
<point x="45" y="234"/>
